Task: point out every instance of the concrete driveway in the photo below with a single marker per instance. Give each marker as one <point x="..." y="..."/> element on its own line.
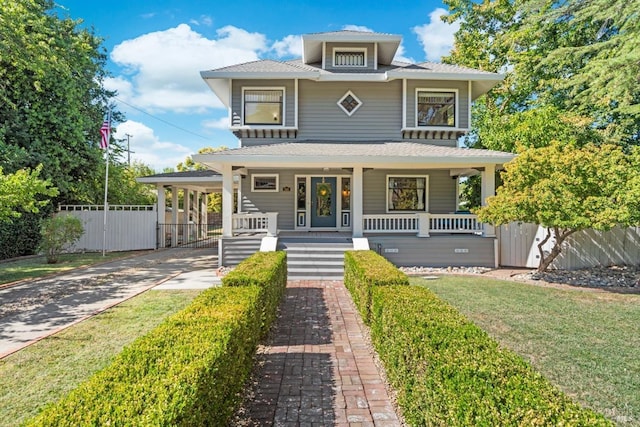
<point x="36" y="309"/>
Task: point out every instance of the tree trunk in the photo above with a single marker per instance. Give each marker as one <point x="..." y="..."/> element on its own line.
<point x="561" y="235"/>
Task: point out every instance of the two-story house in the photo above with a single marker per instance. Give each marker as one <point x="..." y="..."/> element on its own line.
<point x="348" y="141"/>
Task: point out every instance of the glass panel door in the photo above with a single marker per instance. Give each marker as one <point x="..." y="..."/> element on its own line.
<point x="323" y="202"/>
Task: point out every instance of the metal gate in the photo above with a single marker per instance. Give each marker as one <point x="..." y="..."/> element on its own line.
<point x="189" y="235"/>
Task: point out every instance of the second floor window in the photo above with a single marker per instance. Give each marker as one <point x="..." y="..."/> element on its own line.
<point x="436" y="108"/>
<point x="263" y="106"/>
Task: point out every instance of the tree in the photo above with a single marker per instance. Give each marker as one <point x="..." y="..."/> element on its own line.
<point x="578" y="56"/>
<point x="51" y="97"/>
<point x="567" y="188"/>
<point x="19" y="192"/>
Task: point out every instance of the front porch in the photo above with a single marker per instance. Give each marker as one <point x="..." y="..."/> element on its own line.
<point x="418" y="224"/>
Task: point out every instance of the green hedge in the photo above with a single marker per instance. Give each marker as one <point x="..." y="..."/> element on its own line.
<point x="191" y="369"/>
<point x="267" y="270"/>
<point x="362" y="271"/>
<point x="446" y="370"/>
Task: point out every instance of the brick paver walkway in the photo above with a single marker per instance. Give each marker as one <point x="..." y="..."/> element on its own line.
<point x="317" y="369"/>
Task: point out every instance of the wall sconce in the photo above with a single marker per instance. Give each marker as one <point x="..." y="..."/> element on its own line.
<point x="345" y="191"/>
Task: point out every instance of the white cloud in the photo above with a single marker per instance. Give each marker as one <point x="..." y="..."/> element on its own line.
<point x="203" y="20"/>
<point x="400" y="55"/>
<point x="436" y="36"/>
<point x="163" y="67"/>
<point x="148" y="148"/>
<point x="352" y="27"/>
<point x="221" y="123"/>
<point x="291" y="45"/>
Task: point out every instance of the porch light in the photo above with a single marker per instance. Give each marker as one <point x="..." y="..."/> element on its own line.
<point x="345" y="191"/>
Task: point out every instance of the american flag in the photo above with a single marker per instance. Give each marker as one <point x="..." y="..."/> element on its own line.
<point x="105" y="132"/>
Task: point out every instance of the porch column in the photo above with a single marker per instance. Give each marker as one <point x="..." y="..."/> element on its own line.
<point x="356" y="194"/>
<point x="175" y="208"/>
<point x="488" y="189"/>
<point x="204" y="208"/>
<point x="227" y="201"/>
<point x="239" y="192"/>
<point x="161" y="209"/>
<point x="187" y="205"/>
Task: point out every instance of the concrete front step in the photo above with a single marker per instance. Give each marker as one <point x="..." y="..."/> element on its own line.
<point x="315" y="260"/>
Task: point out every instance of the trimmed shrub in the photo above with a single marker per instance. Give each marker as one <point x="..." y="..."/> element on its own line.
<point x="186" y="372"/>
<point x="364" y="270"/>
<point x="447" y="371"/>
<point x="268" y="270"/>
<point x="191" y="369"/>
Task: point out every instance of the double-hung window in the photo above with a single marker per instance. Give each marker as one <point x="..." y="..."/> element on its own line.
<point x="263" y="106"/>
<point x="436" y="108"/>
<point x="407" y="193"/>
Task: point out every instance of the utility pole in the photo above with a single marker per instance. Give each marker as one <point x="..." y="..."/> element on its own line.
<point x="129" y="148"/>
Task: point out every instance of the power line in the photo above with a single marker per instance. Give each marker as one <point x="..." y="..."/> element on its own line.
<point x="162" y="120"/>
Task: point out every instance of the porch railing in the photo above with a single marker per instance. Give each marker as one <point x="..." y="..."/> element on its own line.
<point x="255" y="223"/>
<point x="390" y="223"/>
<point x="423" y="224"/>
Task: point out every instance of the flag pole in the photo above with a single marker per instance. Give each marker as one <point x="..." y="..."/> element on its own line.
<point x="106" y="183"/>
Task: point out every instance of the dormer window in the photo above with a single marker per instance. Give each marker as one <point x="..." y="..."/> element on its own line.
<point x="348" y="58"/>
<point x="263" y="106"/>
<point x="436" y="107"/>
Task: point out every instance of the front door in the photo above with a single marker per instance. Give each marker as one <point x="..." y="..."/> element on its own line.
<point x="323" y="202"/>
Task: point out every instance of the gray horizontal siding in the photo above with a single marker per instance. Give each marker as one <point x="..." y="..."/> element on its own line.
<point x="379" y="117"/>
<point x="369" y="55"/>
<point x="442" y="190"/>
<point x="463" y="99"/>
<point x="436" y="251"/>
<point x="290" y="96"/>
<point x="281" y="201"/>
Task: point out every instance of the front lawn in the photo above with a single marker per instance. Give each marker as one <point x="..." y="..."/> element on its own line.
<point x="34" y="267"/>
<point x="586" y="342"/>
<point x="46" y="371"/>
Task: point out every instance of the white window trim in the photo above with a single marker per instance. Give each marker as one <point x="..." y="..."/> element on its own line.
<point x="456" y="124"/>
<point x="347" y="50"/>
<point x="284" y="106"/>
<point x="349" y="113"/>
<point x="426" y="196"/>
<point x="264" y="175"/>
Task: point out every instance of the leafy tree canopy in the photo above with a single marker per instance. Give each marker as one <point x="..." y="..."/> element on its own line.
<point x="578" y="56"/>
<point x="51" y="97"/>
<point x="567" y="188"/>
<point x="22" y="191"/>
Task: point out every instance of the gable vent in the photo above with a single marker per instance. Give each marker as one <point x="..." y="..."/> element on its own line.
<point x="349" y="59"/>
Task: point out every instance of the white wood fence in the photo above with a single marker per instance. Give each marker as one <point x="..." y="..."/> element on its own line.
<point x="589" y="248"/>
<point x="129" y="227"/>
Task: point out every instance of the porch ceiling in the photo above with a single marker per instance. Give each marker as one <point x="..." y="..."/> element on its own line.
<point x="373" y="155"/>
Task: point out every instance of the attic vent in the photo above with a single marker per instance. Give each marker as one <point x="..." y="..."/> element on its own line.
<point x="349" y="103"/>
<point x="349" y="59"/>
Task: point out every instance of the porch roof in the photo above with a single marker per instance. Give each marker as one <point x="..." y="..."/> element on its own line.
<point x="206" y="181"/>
<point x="370" y="154"/>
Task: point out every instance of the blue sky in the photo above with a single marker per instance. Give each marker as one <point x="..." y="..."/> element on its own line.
<point x="156" y="50"/>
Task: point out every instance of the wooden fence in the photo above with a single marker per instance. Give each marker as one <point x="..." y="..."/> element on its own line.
<point x="589" y="248"/>
<point x="129" y="227"/>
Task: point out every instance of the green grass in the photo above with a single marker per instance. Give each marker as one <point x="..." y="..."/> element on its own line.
<point x="585" y="342"/>
<point x="46" y="371"/>
<point x="31" y="268"/>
